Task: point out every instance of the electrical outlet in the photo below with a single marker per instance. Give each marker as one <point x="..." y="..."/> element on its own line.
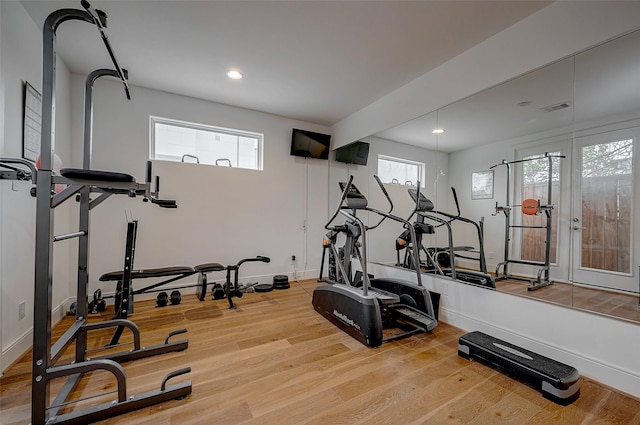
<point x="21" y="310"/>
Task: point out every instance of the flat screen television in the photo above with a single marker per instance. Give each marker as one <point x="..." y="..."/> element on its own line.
<point x="309" y="144"/>
<point x="353" y="153"/>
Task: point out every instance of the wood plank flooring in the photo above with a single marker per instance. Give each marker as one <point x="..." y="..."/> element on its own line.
<point x="610" y="303"/>
<point x="274" y="360"/>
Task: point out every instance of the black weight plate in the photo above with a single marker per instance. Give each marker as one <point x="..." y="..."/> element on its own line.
<point x="280" y="278"/>
<point x="263" y="287"/>
<point x="201" y="287"/>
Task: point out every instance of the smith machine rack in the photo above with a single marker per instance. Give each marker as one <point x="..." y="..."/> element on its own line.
<point x="82" y="183"/>
<point x="528" y="207"/>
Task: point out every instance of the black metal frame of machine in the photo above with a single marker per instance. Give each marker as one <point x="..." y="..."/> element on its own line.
<point x="363" y="309"/>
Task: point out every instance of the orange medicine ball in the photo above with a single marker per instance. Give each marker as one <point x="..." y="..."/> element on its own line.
<point x="530" y="207"/>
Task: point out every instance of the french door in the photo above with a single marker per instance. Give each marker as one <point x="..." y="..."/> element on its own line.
<point x="605" y="210"/>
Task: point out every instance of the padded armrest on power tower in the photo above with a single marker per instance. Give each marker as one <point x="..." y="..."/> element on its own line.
<point x="143" y="274"/>
<point x="165" y="203"/>
<point x="96" y="175"/>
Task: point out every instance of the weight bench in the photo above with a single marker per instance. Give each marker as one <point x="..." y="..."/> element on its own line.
<point x="124" y="291"/>
<point x="124" y="294"/>
<point x="557" y="381"/>
<point x="177" y="273"/>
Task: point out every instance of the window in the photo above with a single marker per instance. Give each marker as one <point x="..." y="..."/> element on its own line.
<point x="180" y="141"/>
<point x="400" y="171"/>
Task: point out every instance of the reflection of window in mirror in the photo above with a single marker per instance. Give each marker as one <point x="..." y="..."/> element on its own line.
<point x="535" y="185"/>
<point x="393" y="170"/>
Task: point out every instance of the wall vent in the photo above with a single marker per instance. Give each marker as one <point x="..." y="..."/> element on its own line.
<point x="556" y="107"/>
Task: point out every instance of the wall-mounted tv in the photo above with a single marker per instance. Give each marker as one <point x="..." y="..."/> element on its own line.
<point x="353" y="153"/>
<point x="309" y="144"/>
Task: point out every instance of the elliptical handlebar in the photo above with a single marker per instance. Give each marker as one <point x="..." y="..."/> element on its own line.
<point x="383" y="215"/>
<point x="455" y="199"/>
<point x="342" y="198"/>
<point x="258" y="258"/>
<point x="386" y="194"/>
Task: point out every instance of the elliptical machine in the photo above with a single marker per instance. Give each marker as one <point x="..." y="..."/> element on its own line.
<point x="441" y="260"/>
<point x="357" y="304"/>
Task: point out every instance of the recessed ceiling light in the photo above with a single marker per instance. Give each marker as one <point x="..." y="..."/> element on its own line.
<point x="438" y="131"/>
<point x="234" y="75"/>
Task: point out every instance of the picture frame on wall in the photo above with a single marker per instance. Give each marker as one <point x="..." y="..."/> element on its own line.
<point x="32" y="119"/>
<point x="482" y="185"/>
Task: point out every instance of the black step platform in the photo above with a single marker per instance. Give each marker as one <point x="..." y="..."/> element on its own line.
<point x="557" y="381"/>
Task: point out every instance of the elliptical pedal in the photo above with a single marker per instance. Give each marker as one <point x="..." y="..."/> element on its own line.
<point x="413" y="316"/>
<point x="384" y="297"/>
<point x="557" y="381"/>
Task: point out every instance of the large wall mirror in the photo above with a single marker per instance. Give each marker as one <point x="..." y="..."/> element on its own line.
<point x="543" y="164"/>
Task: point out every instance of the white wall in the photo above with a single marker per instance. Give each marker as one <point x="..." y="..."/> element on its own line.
<point x="224" y="214"/>
<point x="1" y="186"/>
<point x="21" y="61"/>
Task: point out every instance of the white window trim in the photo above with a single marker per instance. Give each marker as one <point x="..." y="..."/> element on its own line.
<point x="421" y="167"/>
<point x="196" y="126"/>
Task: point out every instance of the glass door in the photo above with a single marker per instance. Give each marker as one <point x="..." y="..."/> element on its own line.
<point x="604" y="209"/>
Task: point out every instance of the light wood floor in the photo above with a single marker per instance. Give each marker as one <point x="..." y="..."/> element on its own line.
<point x="624" y="306"/>
<point x="274" y="360"/>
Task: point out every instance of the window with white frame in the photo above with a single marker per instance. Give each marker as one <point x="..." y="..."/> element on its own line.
<point x="400" y="171"/>
<point x="181" y="141"/>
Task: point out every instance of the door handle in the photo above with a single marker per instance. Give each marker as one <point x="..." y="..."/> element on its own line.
<point x="578" y="228"/>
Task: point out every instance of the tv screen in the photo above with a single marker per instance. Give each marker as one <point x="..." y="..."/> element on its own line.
<point x="309" y="144"/>
<point x="354" y="153"/>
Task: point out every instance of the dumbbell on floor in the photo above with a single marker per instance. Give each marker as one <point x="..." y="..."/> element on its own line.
<point x="175" y="297"/>
<point x="98" y="304"/>
<point x="218" y="292"/>
<point x="162" y="299"/>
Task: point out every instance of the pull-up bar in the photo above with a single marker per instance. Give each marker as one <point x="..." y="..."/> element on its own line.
<point x="100" y="20"/>
<point x="517" y="161"/>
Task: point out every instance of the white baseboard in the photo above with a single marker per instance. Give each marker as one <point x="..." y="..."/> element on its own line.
<point x="22" y="344"/>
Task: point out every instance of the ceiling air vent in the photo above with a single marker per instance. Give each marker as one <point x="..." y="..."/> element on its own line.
<point x="556" y="107"/>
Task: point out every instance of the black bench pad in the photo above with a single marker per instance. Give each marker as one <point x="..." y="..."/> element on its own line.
<point x="96" y="175"/>
<point x="142" y="274"/>
<point x="209" y="267"/>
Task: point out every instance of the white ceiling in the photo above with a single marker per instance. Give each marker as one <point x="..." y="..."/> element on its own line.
<point x="316" y="61"/>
